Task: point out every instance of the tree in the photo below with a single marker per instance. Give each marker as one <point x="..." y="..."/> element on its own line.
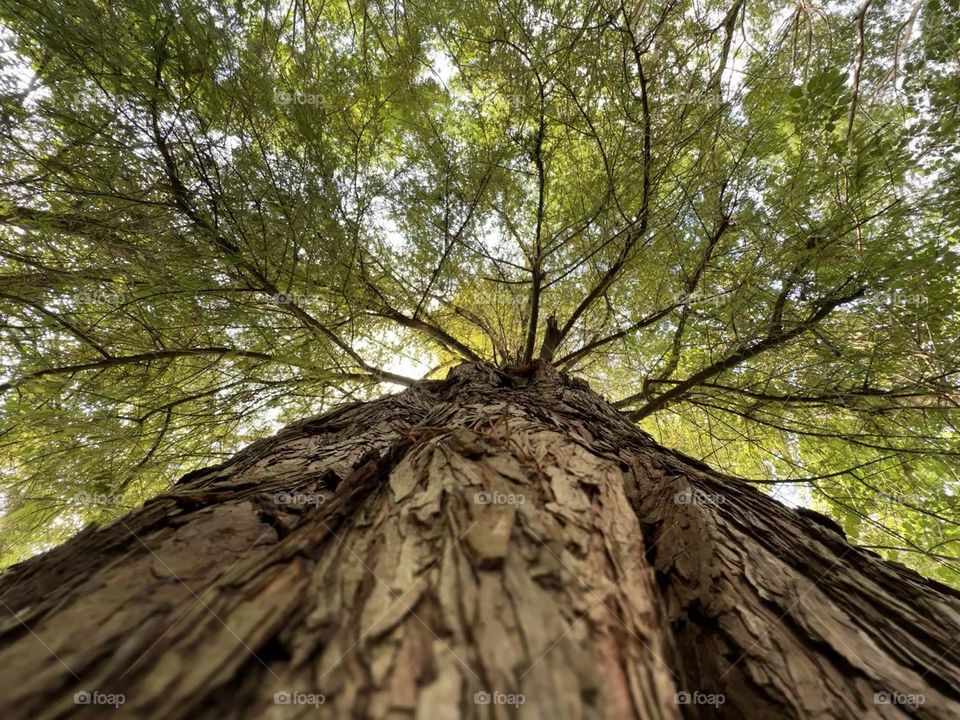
<point x="738" y="222"/>
<point x="218" y="217"/>
<point x="496" y="544"/>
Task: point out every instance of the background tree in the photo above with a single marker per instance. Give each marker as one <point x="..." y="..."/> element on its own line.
<point x="219" y="217"/>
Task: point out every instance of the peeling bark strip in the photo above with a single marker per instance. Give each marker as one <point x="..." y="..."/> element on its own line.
<point x="497" y="544"/>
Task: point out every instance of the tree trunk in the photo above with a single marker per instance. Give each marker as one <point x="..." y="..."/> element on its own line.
<point x="497" y="544"/>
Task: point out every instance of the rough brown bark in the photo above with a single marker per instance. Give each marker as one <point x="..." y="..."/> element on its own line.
<point x="597" y="575"/>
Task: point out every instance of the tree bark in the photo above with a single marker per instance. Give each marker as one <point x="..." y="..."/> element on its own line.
<point x="501" y="536"/>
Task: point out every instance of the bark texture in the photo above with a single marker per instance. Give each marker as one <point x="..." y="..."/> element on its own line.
<point x="501" y="535"/>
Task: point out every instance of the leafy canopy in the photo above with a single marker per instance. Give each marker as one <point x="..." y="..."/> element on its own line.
<point x="741" y="221"/>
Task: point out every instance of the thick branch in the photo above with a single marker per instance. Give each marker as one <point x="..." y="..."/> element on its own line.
<point x="857" y="65"/>
<point x="571" y="358"/>
<point x="635" y="233"/>
<point x="437" y="333"/>
<point x="536" y="269"/>
<point x="182" y="200"/>
<point x="771" y="341"/>
<point x="134" y="359"/>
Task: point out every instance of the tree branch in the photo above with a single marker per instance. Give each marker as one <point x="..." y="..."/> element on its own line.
<point x="536" y="269"/>
<point x="182" y="200"/>
<point x="771" y="341"/>
<point x="114" y="361"/>
<point x="636" y="232"/>
<point x="569" y="359"/>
